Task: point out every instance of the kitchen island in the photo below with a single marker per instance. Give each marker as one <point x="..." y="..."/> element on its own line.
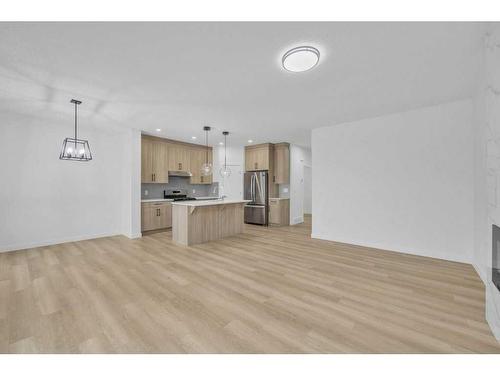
<point x="195" y="222"/>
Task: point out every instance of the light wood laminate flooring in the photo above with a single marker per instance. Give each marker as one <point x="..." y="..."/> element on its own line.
<point x="268" y="290"/>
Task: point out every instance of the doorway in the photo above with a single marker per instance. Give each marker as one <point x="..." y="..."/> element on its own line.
<point x="307" y="190"/>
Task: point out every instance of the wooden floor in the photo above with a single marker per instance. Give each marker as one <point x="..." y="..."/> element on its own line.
<point x="269" y="290"/>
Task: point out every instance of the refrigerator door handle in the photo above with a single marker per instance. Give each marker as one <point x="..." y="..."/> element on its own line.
<point x="252" y="187"/>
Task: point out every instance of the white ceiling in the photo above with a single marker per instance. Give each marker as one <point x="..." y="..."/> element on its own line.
<point x="181" y="76"/>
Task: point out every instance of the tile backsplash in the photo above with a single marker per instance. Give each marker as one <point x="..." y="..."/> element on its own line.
<point x="155" y="191"/>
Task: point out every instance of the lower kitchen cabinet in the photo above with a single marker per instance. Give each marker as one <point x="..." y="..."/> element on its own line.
<point x="156" y="215"/>
<point x="279" y="211"/>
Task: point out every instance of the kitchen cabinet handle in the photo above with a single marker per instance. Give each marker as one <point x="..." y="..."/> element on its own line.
<point x="255" y="164"/>
<point x="180" y="166"/>
<point x="274" y="178"/>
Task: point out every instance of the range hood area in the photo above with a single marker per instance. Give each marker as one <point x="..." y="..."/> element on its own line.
<point x="180" y="173"/>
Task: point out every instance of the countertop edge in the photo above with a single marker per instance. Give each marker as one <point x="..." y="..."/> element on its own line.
<point x="212" y="202"/>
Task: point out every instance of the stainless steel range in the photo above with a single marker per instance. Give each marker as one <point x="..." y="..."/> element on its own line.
<point x="177" y="195"/>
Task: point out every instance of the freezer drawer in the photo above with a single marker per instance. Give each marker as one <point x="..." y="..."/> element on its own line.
<point x="256" y="214"/>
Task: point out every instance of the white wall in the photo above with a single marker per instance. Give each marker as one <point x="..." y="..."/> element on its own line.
<point x="299" y="157"/>
<point x="131" y="201"/>
<point x="232" y="186"/>
<point x="487" y="169"/>
<point x="402" y="182"/>
<point x="45" y="200"/>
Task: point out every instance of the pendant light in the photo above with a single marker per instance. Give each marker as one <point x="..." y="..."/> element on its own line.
<point x="225" y="171"/>
<point x="74" y="148"/>
<point x="206" y="168"/>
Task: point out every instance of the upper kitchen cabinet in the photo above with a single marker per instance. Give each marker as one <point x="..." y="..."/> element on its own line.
<point x="197" y="159"/>
<point x="154" y="159"/>
<point x="258" y="157"/>
<point x="281" y="163"/>
<point x="178" y="157"/>
<point x="160" y="155"/>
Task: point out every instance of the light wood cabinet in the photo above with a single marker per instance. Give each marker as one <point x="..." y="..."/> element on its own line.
<point x="146" y="160"/>
<point x="193" y="225"/>
<point x="154" y="158"/>
<point x="261" y="158"/>
<point x="281" y="163"/>
<point x="279" y="211"/>
<point x="159" y="156"/>
<point x="156" y="215"/>
<point x="178" y="157"/>
<point x="197" y="159"/>
<point x="257" y="158"/>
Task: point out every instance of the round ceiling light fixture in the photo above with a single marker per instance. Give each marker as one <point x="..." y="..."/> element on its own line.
<point x="300" y="59"/>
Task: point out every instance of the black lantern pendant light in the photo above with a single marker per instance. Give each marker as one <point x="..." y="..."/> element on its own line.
<point x="225" y="171"/>
<point x="206" y="168"/>
<point x="74" y="148"/>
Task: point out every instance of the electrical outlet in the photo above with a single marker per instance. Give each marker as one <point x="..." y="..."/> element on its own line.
<point x="146" y="192"/>
<point x="194" y="191"/>
<point x="285" y="190"/>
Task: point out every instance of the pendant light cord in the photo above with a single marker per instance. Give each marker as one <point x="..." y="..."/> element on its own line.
<point x="206" y="144"/>
<point x="75" y="124"/>
<point x="225" y="152"/>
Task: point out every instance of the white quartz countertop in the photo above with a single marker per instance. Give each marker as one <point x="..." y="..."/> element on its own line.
<point x="156" y="200"/>
<point x="171" y="200"/>
<point x="211" y="202"/>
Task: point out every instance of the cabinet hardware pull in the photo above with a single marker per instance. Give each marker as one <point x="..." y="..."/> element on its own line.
<point x="180" y="166"/>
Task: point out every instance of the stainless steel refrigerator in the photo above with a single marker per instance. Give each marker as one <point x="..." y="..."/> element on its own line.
<point x="255" y="189"/>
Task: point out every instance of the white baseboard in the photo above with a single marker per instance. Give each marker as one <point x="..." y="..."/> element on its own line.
<point x="387" y="248"/>
<point x="480" y="272"/>
<point x="21" y="246"/>
<point x="133" y="236"/>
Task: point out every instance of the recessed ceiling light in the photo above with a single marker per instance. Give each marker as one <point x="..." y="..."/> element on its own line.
<point x="158" y="130"/>
<point x="221" y="143"/>
<point x="300" y="59"/>
<point x="193" y="137"/>
<point x="250" y="141"/>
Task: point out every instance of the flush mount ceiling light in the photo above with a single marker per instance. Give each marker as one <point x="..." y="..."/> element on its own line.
<point x="74" y="148"/>
<point x="158" y="130"/>
<point x="300" y="59"/>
